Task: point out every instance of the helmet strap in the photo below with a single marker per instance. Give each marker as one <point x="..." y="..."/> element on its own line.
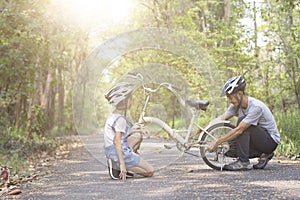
<point x="123" y="106"/>
<point x="126" y="105"/>
<point x="239" y="100"/>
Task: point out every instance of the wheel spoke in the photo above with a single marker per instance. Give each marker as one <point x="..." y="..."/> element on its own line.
<point x="218" y="158"/>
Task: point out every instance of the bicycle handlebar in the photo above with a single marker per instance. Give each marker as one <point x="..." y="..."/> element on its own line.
<point x="164" y="84"/>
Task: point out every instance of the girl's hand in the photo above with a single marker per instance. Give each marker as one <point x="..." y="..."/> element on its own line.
<point x="146" y="133"/>
<point x="123" y="172"/>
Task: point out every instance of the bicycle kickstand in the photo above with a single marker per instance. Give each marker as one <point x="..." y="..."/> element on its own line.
<point x="222" y="159"/>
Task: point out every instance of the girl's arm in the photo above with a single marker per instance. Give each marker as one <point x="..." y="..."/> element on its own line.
<point x="119" y="149"/>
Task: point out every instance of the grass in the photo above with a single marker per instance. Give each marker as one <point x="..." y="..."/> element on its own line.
<point x="289" y="127"/>
<point x="16" y="151"/>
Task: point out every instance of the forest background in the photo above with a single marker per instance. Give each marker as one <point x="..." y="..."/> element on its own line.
<point x="43" y="44"/>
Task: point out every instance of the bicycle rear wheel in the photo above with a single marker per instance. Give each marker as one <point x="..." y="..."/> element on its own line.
<point x="218" y="158"/>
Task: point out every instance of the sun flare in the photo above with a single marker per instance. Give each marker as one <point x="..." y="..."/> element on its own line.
<point x="104" y="11"/>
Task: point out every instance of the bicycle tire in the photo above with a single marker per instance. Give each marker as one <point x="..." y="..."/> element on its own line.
<point x="212" y="158"/>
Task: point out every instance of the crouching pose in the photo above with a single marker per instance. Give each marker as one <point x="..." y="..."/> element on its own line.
<point x="121" y="141"/>
<point x="256" y="134"/>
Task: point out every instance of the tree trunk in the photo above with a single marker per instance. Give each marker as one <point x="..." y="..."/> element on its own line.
<point x="293" y="60"/>
<point x="227" y="20"/>
<point x="202" y="16"/>
<point x="34" y="100"/>
<point x="61" y="99"/>
<point x="18" y="110"/>
<point x="47" y="97"/>
<point x="46" y="93"/>
<point x="51" y="109"/>
<point x="227" y="12"/>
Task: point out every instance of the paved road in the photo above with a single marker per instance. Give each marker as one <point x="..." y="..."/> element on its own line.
<point x="84" y="176"/>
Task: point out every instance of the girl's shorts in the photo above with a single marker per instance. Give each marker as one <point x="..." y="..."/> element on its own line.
<point x="131" y="159"/>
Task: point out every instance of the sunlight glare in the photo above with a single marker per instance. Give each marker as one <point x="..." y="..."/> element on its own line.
<point x="105" y="11"/>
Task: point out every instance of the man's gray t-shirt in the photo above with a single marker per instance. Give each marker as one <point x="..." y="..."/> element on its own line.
<point x="257" y="114"/>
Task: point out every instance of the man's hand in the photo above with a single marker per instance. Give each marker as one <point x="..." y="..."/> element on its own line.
<point x="212" y="145"/>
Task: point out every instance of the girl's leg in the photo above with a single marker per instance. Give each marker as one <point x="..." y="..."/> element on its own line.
<point x="134" y="140"/>
<point x="143" y="168"/>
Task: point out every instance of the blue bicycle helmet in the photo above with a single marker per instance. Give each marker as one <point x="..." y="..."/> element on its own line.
<point x="234" y="84"/>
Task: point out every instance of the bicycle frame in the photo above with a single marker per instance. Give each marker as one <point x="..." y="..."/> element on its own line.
<point x="183" y="141"/>
<point x="173" y="133"/>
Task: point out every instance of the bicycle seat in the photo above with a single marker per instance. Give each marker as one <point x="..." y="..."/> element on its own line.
<point x="198" y="104"/>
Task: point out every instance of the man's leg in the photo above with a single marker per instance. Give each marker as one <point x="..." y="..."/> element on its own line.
<point x="262" y="146"/>
<point x="260" y="141"/>
<point x="242" y="146"/>
<point x="253" y="142"/>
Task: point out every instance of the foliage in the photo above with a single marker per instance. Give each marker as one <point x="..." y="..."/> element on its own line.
<point x="39" y="59"/>
<point x="16" y="150"/>
<point x="41" y="51"/>
<point x="38" y="126"/>
<point x="289" y="127"/>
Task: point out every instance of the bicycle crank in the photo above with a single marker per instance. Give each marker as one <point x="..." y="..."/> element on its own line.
<point x="192" y="154"/>
<point x="169" y="146"/>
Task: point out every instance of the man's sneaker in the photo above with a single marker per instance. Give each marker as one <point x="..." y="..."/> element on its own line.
<point x="238" y="166"/>
<point x="113" y="169"/>
<point x="263" y="160"/>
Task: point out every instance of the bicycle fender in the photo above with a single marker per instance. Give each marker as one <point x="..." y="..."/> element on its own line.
<point x="214" y="122"/>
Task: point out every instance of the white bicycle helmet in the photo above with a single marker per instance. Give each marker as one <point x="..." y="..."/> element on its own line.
<point x="234" y="84"/>
<point x="119" y="92"/>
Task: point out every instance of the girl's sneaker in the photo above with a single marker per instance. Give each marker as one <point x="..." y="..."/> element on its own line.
<point x="113" y="169"/>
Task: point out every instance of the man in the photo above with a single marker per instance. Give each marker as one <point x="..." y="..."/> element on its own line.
<point x="256" y="134"/>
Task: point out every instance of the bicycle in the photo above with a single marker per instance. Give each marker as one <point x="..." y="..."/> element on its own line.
<point x="215" y="129"/>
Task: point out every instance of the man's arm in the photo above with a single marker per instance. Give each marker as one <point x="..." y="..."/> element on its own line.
<point x="230" y="135"/>
<point x="225" y="116"/>
<point x="234" y="133"/>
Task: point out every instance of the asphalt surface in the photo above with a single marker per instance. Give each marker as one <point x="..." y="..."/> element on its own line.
<point x="83" y="175"/>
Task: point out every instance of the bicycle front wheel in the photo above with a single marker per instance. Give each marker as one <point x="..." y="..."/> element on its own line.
<point x="218" y="158"/>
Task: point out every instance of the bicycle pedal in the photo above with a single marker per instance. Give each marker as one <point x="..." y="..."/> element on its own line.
<point x="167" y="146"/>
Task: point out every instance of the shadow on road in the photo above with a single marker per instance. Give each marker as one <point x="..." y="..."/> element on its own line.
<point x="84" y="176"/>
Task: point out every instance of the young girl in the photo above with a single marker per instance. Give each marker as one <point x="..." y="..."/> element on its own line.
<point x="121" y="143"/>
